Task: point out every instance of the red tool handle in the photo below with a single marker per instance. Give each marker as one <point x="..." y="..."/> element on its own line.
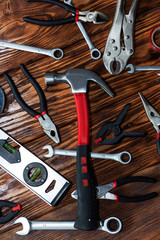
<point x="87" y="203"/>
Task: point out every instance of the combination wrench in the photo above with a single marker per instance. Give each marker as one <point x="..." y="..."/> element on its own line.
<point x="142" y="68"/>
<point x="122" y="157"/>
<point x="29" y="226"/>
<point x="56" y="53"/>
<point x="95" y="53"/>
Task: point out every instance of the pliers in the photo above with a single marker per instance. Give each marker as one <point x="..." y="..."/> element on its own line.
<point x="154" y="118"/>
<point x="103" y="191"/>
<point x="118" y="132"/>
<point x="43" y="118"/>
<point x="119" y="46"/>
<point x="85" y="16"/>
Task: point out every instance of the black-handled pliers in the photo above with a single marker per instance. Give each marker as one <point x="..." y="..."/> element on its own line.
<point x="86" y="16"/>
<point x="115" y="128"/>
<point x="103" y="191"/>
<point x="43" y="118"/>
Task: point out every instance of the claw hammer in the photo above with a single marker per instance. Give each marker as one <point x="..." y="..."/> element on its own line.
<point x="87" y="218"/>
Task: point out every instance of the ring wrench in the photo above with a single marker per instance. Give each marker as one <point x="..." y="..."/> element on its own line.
<point x="56" y="53"/>
<point x="122" y="157"/>
<point x="95" y="53"/>
<point x="28" y="225"/>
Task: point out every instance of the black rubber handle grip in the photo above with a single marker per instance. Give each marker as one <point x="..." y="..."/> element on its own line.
<point x="87" y="203"/>
<point x="42" y="98"/>
<point x="58" y="3"/>
<point x="158" y="143"/>
<point x="49" y="23"/>
<point x="19" y="98"/>
<point x="124" y="181"/>
<point x="137" y="198"/>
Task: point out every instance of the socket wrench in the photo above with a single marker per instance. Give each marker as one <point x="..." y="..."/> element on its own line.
<point x="123" y="157"/>
<point x="56" y="53"/>
<point x="95" y="53"/>
<point x="29" y="226"/>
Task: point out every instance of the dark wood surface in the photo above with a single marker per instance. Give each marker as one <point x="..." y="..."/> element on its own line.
<point x="141" y="221"/>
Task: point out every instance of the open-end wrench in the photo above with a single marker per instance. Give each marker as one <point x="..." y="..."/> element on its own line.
<point x="56" y="53"/>
<point x="95" y="53"/>
<point x="142" y="68"/>
<point x="123" y="157"/>
<point x="29" y="226"/>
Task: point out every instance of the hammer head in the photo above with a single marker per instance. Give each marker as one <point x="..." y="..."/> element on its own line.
<point x="77" y="79"/>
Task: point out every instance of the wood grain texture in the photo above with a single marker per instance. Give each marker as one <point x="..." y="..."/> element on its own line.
<point x="141" y="221"/>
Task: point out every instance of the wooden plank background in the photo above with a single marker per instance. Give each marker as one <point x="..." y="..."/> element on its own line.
<point x="141" y="221"/>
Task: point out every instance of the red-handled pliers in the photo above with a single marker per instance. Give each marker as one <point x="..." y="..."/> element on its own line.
<point x="43" y="118"/>
<point x="85" y="16"/>
<point x="154" y="118"/>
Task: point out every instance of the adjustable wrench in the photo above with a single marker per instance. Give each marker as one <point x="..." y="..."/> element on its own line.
<point x="56" y="53"/>
<point x="119" y="157"/>
<point x="28" y="225"/>
<point x="95" y="53"/>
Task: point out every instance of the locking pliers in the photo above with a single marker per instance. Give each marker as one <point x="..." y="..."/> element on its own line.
<point x="119" y="46"/>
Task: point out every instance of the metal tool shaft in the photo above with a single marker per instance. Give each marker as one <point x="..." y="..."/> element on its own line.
<point x="56" y="53"/>
<point x="142" y="68"/>
<point x="29" y="226"/>
<point x="119" y="157"/>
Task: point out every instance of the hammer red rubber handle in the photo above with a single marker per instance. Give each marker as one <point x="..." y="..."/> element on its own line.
<point x="87" y="218"/>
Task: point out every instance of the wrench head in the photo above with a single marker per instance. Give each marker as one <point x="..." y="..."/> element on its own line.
<point x="50" y="151"/>
<point x="25" y="224"/>
<point x="132" y="68"/>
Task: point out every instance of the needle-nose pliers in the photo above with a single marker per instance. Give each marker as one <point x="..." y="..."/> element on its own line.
<point x="154" y="118"/>
<point x="43" y="118"/>
<point x="85" y="16"/>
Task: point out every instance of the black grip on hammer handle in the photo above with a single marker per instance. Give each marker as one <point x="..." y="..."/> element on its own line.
<point x="158" y="144"/>
<point x="87" y="201"/>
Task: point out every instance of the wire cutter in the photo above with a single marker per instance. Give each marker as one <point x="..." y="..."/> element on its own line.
<point x="103" y="191"/>
<point x="118" y="132"/>
<point x="119" y="45"/>
<point x="85" y="16"/>
<point x="43" y="118"/>
<point x="153" y="116"/>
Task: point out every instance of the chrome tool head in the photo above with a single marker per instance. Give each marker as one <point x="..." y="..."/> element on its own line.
<point x="132" y="68"/>
<point x="25" y="224"/>
<point x="50" y="151"/>
<point x="77" y="79"/>
<point x="151" y="113"/>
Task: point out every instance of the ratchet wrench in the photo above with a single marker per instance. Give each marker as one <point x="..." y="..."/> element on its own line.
<point x="56" y="53"/>
<point x="122" y="157"/>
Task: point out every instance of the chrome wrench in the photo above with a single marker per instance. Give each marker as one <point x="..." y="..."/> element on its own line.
<point x="123" y="157"/>
<point x="95" y="53"/>
<point x="142" y="68"/>
<point x="29" y="226"/>
<point x="56" y="53"/>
